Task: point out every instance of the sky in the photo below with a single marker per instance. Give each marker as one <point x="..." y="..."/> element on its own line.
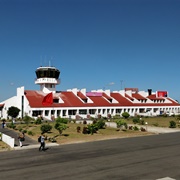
<point x="96" y="44"/>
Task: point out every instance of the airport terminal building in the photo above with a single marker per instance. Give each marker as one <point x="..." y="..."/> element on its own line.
<point x="49" y="103"/>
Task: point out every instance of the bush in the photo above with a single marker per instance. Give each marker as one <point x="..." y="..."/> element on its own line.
<point x="121" y="124"/>
<point x="125" y="115"/>
<point x="85" y="130"/>
<point x="20" y="129"/>
<point x="27" y="119"/>
<point x="84" y="122"/>
<point x="136" y="120"/>
<point x="92" y="128"/>
<point x="60" y="127"/>
<point x="61" y="120"/>
<point x="30" y="133"/>
<point x="136" y="128"/>
<point x="46" y="128"/>
<point x="172" y="124"/>
<point x="101" y="124"/>
<point x="94" y="121"/>
<point x="24" y="131"/>
<point x="142" y="122"/>
<point x="78" y="129"/>
<point x="52" y="139"/>
<point x="11" y="125"/>
<point x="143" y="129"/>
<point x="38" y="121"/>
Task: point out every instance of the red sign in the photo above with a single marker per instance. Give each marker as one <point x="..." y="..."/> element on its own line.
<point x="162" y="93"/>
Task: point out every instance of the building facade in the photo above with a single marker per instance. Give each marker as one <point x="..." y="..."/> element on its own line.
<point x="49" y="103"/>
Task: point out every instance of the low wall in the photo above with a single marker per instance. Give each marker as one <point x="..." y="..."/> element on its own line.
<point x="7" y="139"/>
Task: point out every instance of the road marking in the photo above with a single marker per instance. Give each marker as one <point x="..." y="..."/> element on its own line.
<point x="166" y="178"/>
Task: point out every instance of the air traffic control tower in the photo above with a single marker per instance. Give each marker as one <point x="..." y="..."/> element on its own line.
<point x="47" y="78"/>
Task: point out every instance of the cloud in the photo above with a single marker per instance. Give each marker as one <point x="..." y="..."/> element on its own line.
<point x="111" y="83"/>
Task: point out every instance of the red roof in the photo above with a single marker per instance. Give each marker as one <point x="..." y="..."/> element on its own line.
<point x="69" y="99"/>
<point x="106" y="96"/>
<point x="81" y="95"/>
<point x="153" y="97"/>
<point x="122" y="100"/>
<point x="126" y="95"/>
<point x="138" y="96"/>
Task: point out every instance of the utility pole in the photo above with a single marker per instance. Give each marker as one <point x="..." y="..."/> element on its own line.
<point x="121" y="84"/>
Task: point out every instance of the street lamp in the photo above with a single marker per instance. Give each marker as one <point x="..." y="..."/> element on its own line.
<point x="109" y="122"/>
<point x="146" y="123"/>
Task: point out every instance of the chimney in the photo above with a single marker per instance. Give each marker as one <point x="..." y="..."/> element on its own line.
<point x="149" y="92"/>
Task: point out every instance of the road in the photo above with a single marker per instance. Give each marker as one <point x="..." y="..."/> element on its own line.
<point x="138" y="158"/>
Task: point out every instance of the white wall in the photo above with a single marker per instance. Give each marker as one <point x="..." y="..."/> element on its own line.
<point x="8" y="140"/>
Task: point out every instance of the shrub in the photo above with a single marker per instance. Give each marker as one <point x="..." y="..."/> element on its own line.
<point x="121" y="124"/>
<point x="61" y="120"/>
<point x="125" y="115"/>
<point x="84" y="122"/>
<point x="11" y="125"/>
<point x="27" y="119"/>
<point x="141" y="121"/>
<point x="94" y="121"/>
<point x="20" y="129"/>
<point x="101" y="124"/>
<point x="30" y="133"/>
<point x="46" y="128"/>
<point x="136" y="128"/>
<point x="117" y="116"/>
<point x="85" y="130"/>
<point x="38" y="121"/>
<point x="78" y="129"/>
<point x="136" y="120"/>
<point x="143" y="129"/>
<point x="92" y="128"/>
<point x="172" y="124"/>
<point x="24" y="131"/>
<point x="60" y="127"/>
<point x="52" y="139"/>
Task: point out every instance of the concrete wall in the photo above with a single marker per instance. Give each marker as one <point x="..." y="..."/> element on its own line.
<point x="7" y="139"/>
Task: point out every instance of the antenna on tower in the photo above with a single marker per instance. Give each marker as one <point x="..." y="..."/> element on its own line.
<point x="121" y="84"/>
<point x="40" y="60"/>
<point x="49" y="63"/>
<point x="45" y="60"/>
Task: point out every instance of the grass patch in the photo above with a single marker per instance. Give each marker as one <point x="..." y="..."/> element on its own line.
<point x="4" y="146"/>
<point x="71" y="135"/>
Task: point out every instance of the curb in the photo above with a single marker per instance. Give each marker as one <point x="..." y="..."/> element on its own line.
<point x="34" y="146"/>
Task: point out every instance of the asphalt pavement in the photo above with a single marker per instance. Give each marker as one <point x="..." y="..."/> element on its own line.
<point x="153" y="157"/>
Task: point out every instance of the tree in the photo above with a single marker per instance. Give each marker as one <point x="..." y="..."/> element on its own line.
<point x="46" y="128"/>
<point x="60" y="127"/>
<point x="125" y="115"/>
<point x="13" y="111"/>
